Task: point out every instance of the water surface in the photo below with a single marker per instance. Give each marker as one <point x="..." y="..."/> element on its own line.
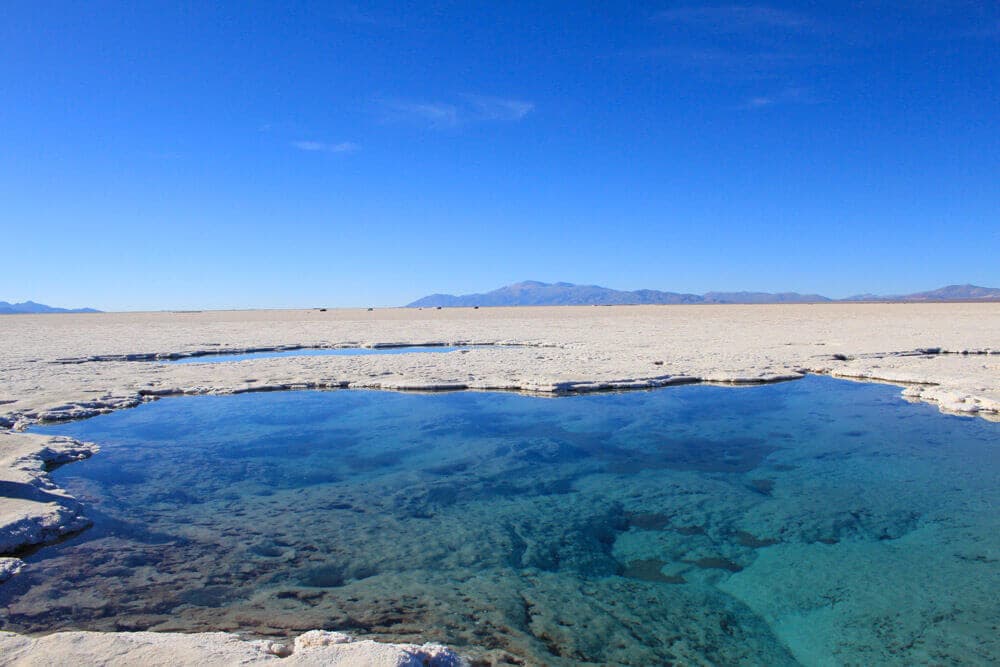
<point x="812" y="522"/>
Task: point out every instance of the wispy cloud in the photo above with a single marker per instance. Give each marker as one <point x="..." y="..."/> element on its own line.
<point x="437" y="114"/>
<point x="323" y="147"/>
<point x="735" y="18"/>
<point x="466" y="109"/>
<point x="498" y="108"/>
<point x="758" y="102"/>
<point x="717" y="58"/>
<point x="787" y="96"/>
<point x="736" y="41"/>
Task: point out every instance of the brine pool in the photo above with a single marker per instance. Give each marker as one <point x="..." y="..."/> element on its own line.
<point x="811" y="522"/>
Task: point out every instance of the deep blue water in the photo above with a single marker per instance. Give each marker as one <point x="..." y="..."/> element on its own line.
<point x="810" y="522"/>
<point x="313" y="352"/>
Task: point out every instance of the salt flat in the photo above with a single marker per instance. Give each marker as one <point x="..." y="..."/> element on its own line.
<point x="57" y="367"/>
<point x="560" y="349"/>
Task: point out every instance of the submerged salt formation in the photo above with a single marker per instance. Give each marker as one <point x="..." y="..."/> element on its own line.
<point x="33" y="510"/>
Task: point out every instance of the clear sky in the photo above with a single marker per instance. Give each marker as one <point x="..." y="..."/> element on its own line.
<point x="181" y="155"/>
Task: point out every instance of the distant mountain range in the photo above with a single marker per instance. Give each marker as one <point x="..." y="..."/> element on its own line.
<point x="949" y="293"/>
<point x="32" y="307"/>
<point x="533" y="293"/>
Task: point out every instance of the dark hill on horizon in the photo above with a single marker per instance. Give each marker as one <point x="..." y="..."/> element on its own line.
<point x="30" y="307"/>
<point x="534" y="293"/>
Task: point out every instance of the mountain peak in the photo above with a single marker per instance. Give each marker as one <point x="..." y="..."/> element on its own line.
<point x="33" y="307"/>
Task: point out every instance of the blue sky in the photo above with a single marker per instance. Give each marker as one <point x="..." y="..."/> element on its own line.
<point x="176" y="155"/>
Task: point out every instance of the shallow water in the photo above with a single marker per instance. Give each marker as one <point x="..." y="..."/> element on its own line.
<point x="815" y="522"/>
<point x="312" y="352"/>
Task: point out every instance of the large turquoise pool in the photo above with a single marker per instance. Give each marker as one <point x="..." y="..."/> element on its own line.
<point x="813" y="522"/>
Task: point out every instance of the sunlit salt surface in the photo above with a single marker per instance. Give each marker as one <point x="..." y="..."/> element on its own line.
<point x="312" y="352"/>
<point x="818" y="522"/>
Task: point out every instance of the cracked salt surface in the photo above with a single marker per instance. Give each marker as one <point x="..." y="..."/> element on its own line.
<point x="775" y="524"/>
<point x="314" y="352"/>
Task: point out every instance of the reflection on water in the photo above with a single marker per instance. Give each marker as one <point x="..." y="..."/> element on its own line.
<point x="819" y="522"/>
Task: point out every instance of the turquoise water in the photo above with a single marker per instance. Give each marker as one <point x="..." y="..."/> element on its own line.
<point x="312" y="352"/>
<point x="811" y="522"/>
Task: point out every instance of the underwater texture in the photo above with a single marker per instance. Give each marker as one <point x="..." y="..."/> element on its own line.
<point x="813" y="522"/>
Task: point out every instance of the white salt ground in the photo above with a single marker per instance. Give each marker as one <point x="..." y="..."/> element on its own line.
<point x="149" y="649"/>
